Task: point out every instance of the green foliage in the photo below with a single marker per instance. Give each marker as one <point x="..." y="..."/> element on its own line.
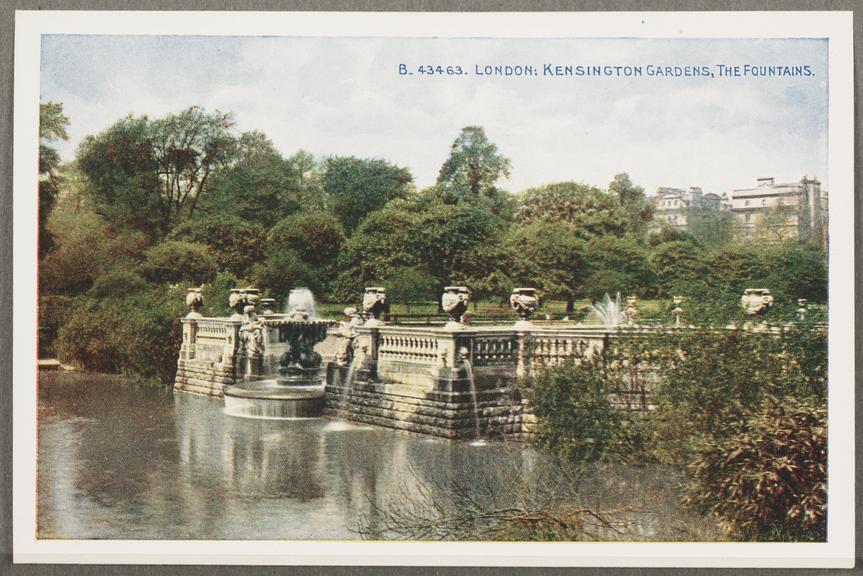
<point x="709" y="227"/>
<point x="261" y="187"/>
<point x="117" y="282"/>
<point x="678" y="266"/>
<point x="631" y="198"/>
<point x="798" y="269"/>
<point x="235" y="243"/>
<point x="316" y="237"/>
<point x="412" y="284"/>
<point x="474" y="165"/>
<point x="549" y="256"/>
<point x="176" y="261"/>
<point x="137" y="333"/>
<point x="355" y="187"/>
<point x="282" y="271"/>
<point x="576" y="420"/>
<point x="149" y="174"/>
<point x="591" y="211"/>
<point x="52" y="127"/>
<point x="616" y="264"/>
<point x="765" y="476"/>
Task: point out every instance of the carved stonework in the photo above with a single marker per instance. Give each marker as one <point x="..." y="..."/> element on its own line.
<point x="237" y="302"/>
<point x="268" y="305"/>
<point x="375" y="304"/>
<point x="252" y="333"/>
<point x="347" y="335"/>
<point x="631" y="310"/>
<point x="756" y="301"/>
<point x="801" y="309"/>
<point x="195" y="301"/>
<point x="676" y="310"/>
<point x="454" y="302"/>
<point x="524" y="301"/>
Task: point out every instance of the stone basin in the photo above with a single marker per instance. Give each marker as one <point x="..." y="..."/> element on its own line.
<point x="273" y="400"/>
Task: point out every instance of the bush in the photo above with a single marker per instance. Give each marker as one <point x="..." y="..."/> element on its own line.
<point x="765" y="477"/>
<point x="575" y="419"/>
<point x="137" y="334"/>
<point x="177" y="261"/>
<point x="236" y="244"/>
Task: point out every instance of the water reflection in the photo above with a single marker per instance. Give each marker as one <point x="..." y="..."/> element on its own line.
<point x="120" y="461"/>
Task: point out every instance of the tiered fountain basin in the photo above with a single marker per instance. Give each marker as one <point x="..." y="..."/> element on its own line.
<point x="274" y="399"/>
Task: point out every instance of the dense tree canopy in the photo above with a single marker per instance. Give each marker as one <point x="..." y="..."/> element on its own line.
<point x="154" y="205"/>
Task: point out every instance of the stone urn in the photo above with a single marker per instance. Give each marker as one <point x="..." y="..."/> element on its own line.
<point x="237" y="302"/>
<point x="268" y="305"/>
<point x="194" y="300"/>
<point x="756" y="301"/>
<point x="375" y="304"/>
<point x="524" y="301"/>
<point x="253" y="296"/>
<point x="454" y="302"/>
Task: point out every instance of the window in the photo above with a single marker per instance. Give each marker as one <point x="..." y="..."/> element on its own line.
<point x="748" y="216"/>
<point x="746" y="203"/>
<point x="764" y="201"/>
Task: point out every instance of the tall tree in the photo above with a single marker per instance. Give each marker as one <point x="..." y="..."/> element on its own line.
<point x="149" y="174"/>
<point x="353" y="187"/>
<point x="633" y="201"/>
<point x="52" y="127"/>
<point x="474" y="165"/>
<point x="590" y="210"/>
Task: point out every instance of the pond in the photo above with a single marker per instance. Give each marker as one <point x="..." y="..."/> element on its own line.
<point x="121" y="461"/>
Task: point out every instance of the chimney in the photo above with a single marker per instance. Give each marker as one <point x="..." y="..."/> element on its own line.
<point x="766" y="181"/>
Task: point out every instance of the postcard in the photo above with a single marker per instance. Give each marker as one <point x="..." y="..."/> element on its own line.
<point x="541" y="289"/>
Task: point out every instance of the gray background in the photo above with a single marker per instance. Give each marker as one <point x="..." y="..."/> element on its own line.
<point x="7" y="26"/>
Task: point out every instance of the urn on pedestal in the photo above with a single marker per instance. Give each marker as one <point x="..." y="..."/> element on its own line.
<point x="524" y="301"/>
<point x="375" y="304"/>
<point x="454" y="302"/>
<point x="194" y="300"/>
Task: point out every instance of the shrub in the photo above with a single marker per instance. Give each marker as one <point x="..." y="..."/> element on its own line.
<point x="765" y="476"/>
<point x="137" y="334"/>
<point x="236" y="244"/>
<point x="575" y="418"/>
<point x="177" y="261"/>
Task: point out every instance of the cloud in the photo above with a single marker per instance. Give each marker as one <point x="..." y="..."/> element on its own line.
<point x="345" y="96"/>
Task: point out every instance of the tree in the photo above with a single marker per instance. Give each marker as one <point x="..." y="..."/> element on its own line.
<point x="354" y="187"/>
<point x="315" y="237"/>
<point x="150" y="174"/>
<point x="550" y="256"/>
<point x="474" y="165"/>
<point x="679" y="267"/>
<point x="52" y="127"/>
<point x="237" y="244"/>
<point x="711" y="228"/>
<point x="591" y="211"/>
<point x="773" y="225"/>
<point x="262" y="187"/>
<point x="616" y="264"/>
<point x="633" y="201"/>
<point x="174" y="261"/>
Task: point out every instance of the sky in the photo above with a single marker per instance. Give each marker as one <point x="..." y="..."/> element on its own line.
<point x="345" y="96"/>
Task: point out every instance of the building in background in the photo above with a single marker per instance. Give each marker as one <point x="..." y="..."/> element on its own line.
<point x="670" y="204"/>
<point x="775" y="212"/>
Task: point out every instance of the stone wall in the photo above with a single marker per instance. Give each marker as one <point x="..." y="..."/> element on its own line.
<point x="490" y="413"/>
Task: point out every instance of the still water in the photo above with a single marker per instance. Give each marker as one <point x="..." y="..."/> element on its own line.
<point x="120" y="461"/>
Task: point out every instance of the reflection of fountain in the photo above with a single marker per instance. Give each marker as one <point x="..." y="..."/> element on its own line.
<point x="296" y="392"/>
<point x="608" y="311"/>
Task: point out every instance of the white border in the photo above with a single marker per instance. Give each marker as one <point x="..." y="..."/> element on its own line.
<point x="837" y="26"/>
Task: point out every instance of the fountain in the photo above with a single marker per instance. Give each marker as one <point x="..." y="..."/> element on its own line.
<point x="608" y="311"/>
<point x="296" y="391"/>
<point x="302" y="300"/>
